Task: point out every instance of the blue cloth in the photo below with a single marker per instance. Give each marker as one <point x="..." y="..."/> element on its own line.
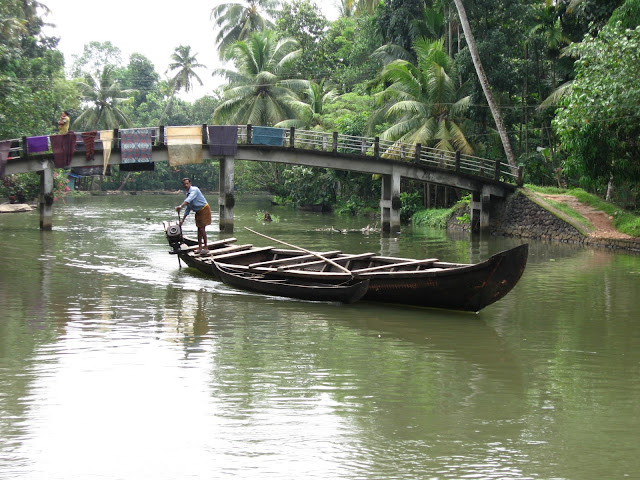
<point x="267" y="136"/>
<point x="195" y="200"/>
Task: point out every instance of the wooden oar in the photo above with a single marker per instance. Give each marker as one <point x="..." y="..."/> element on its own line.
<point x="328" y="260"/>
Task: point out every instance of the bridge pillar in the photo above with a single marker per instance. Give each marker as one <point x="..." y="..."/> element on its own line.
<point x="390" y="203"/>
<point x="480" y="205"/>
<point x="45" y="199"/>
<point x="226" y="198"/>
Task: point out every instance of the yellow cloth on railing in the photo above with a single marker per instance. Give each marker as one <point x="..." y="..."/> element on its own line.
<point x="184" y="145"/>
<point x="106" y="137"/>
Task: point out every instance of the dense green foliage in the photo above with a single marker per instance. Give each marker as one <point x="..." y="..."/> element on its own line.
<point x="564" y="74"/>
<point x="598" y="123"/>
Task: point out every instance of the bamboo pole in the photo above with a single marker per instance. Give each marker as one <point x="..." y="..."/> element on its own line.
<point x="329" y="261"/>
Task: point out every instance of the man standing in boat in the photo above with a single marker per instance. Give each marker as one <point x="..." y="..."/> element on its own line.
<point x="195" y="201"/>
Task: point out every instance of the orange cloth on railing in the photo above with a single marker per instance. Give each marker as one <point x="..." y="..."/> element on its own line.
<point x="88" y="138"/>
<point x="184" y="145"/>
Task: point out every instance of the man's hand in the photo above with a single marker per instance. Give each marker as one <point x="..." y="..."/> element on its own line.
<point x="178" y="208"/>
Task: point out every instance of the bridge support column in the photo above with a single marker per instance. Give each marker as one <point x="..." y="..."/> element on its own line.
<point x="45" y="199"/>
<point x="480" y="204"/>
<point x="226" y="198"/>
<point x="390" y="203"/>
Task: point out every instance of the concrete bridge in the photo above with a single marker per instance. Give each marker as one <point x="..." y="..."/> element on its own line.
<point x="487" y="180"/>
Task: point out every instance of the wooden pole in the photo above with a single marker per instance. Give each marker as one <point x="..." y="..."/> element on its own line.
<point x="331" y="262"/>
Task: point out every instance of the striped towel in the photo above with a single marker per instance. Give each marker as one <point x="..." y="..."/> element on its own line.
<point x="88" y="138"/>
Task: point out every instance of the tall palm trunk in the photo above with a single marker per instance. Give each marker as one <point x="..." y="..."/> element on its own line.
<point x="167" y="107"/>
<point x="466" y="28"/>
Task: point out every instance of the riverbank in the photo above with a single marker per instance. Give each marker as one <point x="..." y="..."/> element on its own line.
<point x="528" y="214"/>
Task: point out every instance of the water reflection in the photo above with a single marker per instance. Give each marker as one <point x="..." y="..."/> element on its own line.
<point x="115" y="363"/>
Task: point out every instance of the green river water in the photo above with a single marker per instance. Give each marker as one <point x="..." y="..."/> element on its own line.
<point x="117" y="364"/>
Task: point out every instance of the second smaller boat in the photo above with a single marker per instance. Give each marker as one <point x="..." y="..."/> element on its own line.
<point x="299" y="288"/>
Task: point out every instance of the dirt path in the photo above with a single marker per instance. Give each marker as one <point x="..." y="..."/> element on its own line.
<point x="600" y="220"/>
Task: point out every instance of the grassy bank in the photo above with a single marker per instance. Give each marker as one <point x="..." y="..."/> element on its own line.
<point x="623" y="221"/>
<point x="439" y="217"/>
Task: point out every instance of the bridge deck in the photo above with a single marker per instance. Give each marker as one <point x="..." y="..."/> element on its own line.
<point x="320" y="149"/>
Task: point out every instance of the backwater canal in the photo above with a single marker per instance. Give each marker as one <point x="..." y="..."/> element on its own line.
<point x="116" y="364"/>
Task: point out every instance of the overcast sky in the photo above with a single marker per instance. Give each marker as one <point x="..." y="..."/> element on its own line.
<point x="152" y="28"/>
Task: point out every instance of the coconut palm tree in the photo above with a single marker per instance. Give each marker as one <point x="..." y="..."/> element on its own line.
<point x="317" y="95"/>
<point x="425" y="102"/>
<point x="184" y="65"/>
<point x="346" y="7"/>
<point x="104" y="95"/>
<point x="260" y="91"/>
<point x="484" y="82"/>
<point x="236" y="20"/>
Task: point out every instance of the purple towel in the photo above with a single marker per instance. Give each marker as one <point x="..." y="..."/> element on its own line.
<point x="223" y="140"/>
<point x="63" y="147"/>
<point x="5" y="146"/>
<point x="37" y="144"/>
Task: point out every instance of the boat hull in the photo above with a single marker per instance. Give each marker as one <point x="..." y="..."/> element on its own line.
<point x="423" y="283"/>
<point x="294" y="288"/>
<point x="468" y="288"/>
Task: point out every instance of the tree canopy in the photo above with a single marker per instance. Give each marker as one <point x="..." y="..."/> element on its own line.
<point x="368" y="72"/>
<point x="598" y="122"/>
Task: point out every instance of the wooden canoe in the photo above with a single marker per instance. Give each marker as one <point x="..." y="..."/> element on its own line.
<point x="419" y="282"/>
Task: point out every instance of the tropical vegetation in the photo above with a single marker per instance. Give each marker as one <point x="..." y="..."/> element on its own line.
<point x="547" y="85"/>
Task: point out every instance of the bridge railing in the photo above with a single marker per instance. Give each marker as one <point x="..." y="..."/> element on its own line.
<point x="393" y="150"/>
<point x="338" y="143"/>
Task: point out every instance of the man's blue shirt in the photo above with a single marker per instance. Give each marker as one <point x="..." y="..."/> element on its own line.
<point x="195" y="200"/>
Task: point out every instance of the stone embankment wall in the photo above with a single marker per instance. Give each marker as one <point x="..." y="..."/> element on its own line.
<point x="519" y="216"/>
<point x="523" y="215"/>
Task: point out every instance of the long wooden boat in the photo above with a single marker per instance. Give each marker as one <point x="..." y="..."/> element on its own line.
<point x="420" y="282"/>
<point x="299" y="288"/>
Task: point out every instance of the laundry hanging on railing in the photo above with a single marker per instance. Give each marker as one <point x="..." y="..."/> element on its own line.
<point x="37" y="144"/>
<point x="223" y="140"/>
<point x="184" y="145"/>
<point x="267" y="136"/>
<point x="63" y="147"/>
<point x="5" y="146"/>
<point x="106" y="137"/>
<point x="135" y="150"/>
<point x="88" y="139"/>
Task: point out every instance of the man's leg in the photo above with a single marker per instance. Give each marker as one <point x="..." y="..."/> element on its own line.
<point x="204" y="238"/>
<point x="200" y="237"/>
